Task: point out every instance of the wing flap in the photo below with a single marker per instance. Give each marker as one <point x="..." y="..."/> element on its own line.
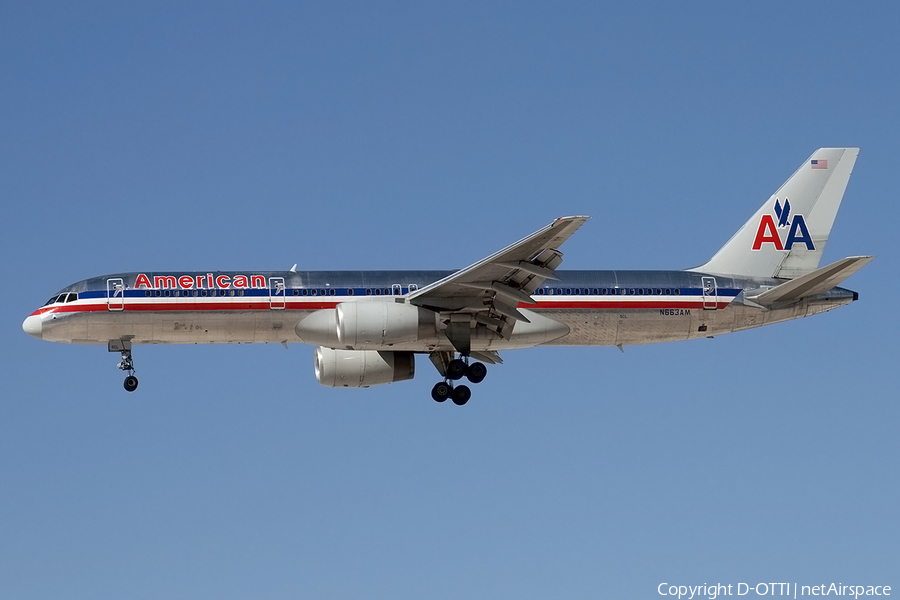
<point x="489" y="356"/>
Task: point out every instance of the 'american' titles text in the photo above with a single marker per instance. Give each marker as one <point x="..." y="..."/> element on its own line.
<point x="208" y="280"/>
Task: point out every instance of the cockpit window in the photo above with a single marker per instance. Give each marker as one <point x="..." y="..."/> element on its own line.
<point x="59" y="298"/>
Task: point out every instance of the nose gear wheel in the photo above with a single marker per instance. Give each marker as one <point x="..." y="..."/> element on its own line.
<point x="127" y="362"/>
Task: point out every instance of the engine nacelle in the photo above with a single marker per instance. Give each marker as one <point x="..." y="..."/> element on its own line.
<point x="319" y="328"/>
<point x="377" y="324"/>
<point x="362" y="368"/>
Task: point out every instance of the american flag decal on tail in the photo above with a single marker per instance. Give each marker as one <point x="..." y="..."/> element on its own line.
<point x="818" y="163"/>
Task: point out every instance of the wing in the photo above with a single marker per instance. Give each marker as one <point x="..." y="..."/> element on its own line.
<point x="491" y="289"/>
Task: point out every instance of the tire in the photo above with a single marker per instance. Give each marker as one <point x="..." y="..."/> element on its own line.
<point x="456" y="369"/>
<point x="476" y="372"/>
<point x="131" y="383"/>
<point x="461" y="394"/>
<point x="441" y="391"/>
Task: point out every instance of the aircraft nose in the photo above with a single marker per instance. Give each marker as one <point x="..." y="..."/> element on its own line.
<point x="33" y="326"/>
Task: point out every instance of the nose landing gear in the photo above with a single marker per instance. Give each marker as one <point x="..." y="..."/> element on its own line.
<point x="127" y="363"/>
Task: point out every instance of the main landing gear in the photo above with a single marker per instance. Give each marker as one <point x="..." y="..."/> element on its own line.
<point x="454" y="370"/>
<point x="127" y="363"/>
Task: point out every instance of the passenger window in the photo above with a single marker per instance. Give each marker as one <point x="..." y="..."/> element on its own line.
<point x="331" y="292"/>
<point x="350" y="292"/>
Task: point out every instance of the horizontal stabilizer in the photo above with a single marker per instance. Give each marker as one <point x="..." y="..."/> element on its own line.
<point x="820" y="280"/>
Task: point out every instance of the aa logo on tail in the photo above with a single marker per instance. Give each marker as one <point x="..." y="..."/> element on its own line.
<point x="768" y="231"/>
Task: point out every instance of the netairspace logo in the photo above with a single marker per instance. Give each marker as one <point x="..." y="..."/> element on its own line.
<point x="713" y="591"/>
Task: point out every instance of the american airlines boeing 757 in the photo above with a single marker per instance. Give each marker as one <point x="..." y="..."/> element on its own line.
<point x="369" y="325"/>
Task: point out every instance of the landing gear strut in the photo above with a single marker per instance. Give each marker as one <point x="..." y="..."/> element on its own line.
<point x="454" y="369"/>
<point x="127" y="363"/>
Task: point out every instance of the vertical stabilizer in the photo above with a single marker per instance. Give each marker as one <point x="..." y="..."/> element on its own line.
<point x="786" y="236"/>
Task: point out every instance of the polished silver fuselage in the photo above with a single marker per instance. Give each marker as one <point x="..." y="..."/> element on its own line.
<point x="583" y="308"/>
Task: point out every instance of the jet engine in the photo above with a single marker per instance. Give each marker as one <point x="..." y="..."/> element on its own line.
<point x="379" y="324"/>
<point x="362" y="368"/>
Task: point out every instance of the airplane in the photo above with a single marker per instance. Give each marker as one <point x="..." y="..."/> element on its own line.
<point x="368" y="326"/>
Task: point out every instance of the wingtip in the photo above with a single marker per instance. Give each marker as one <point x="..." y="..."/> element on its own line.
<point x="578" y="220"/>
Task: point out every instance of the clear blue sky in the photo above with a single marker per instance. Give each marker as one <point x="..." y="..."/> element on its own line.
<point x="426" y="135"/>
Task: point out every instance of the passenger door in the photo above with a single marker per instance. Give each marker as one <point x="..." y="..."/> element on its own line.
<point x="710" y="293"/>
<point x="115" y="294"/>
<point x="276" y="292"/>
